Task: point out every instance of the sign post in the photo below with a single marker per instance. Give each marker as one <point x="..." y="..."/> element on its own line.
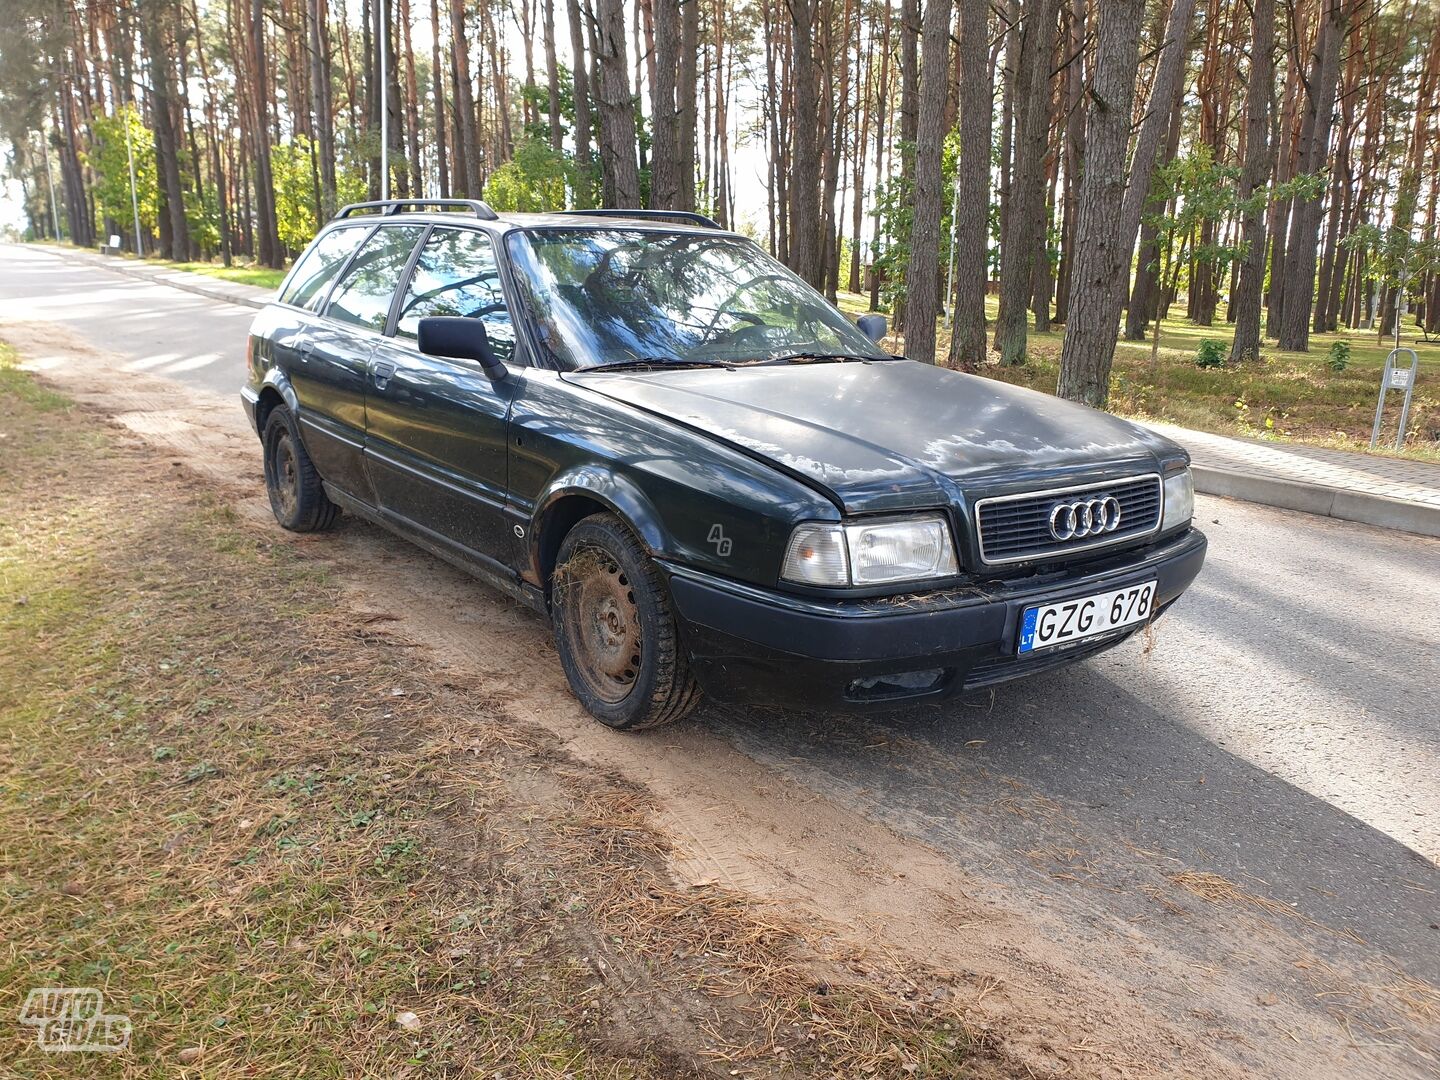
<point x="1395" y="378"/>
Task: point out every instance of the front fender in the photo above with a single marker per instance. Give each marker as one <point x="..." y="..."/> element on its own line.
<point x="610" y="489"/>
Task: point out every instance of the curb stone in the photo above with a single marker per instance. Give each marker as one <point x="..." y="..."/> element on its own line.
<point x="1340" y="503"/>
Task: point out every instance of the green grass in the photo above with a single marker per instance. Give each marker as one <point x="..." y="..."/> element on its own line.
<point x="259" y="276"/>
<point x="1287" y="395"/>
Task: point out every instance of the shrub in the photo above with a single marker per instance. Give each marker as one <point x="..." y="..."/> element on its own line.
<point x="1339" y="356"/>
<point x="1210" y="354"/>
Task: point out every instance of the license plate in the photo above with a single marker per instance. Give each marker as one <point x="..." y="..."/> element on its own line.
<point x="1085" y="616"/>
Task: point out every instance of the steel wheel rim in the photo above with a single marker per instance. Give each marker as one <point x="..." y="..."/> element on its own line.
<point x="285" y="477"/>
<point x="603" y="624"/>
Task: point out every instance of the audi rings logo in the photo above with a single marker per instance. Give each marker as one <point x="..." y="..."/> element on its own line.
<point x="1085" y="517"/>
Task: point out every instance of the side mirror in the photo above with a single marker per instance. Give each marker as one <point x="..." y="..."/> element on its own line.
<point x="462" y="339"/>
<point x="873" y="327"/>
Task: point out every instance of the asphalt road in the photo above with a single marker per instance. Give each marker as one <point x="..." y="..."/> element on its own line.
<point x="1282" y="730"/>
<point x="158" y="329"/>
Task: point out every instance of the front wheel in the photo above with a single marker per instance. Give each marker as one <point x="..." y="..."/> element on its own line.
<point x="615" y="631"/>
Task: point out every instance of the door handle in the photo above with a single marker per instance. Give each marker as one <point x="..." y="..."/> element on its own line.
<point x="381" y="374"/>
<point x="306" y="348"/>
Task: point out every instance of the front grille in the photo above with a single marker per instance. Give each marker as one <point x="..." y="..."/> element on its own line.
<point x="1016" y="528"/>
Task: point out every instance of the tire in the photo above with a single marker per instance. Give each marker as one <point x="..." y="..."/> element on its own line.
<point x="614" y="629"/>
<point x="297" y="498"/>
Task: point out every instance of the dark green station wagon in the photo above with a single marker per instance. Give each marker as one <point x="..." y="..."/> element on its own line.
<point x="706" y="478"/>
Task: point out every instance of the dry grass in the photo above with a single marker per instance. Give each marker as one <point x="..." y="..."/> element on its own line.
<point x="267" y="831"/>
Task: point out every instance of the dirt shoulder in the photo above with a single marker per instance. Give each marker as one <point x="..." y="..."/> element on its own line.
<point x="392" y="754"/>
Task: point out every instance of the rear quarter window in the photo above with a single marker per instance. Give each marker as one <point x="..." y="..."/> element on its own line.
<point x="311" y="277"/>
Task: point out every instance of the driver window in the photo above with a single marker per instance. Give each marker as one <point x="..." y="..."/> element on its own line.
<point x="456" y="274"/>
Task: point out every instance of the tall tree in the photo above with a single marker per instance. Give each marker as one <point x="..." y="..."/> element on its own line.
<point x="1164" y="100"/>
<point x="1101" y="255"/>
<point x="1304" y="236"/>
<point x="665" y="121"/>
<point x="922" y="278"/>
<point x="972" y="228"/>
<point x="1258" y="92"/>
<point x="581" y="90"/>
<point x="807" y="253"/>
<point x="619" y="168"/>
<point x="1027" y="186"/>
<point x="157" y="31"/>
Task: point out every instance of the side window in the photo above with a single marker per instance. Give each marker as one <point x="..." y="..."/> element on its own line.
<point x="456" y="274"/>
<point x="362" y="298"/>
<point x="307" y="284"/>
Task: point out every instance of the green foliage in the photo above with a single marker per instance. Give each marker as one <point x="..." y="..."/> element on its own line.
<point x="1202" y="190"/>
<point x="297" y="194"/>
<point x="1211" y="353"/>
<point x="1392" y="255"/>
<point x="533" y="180"/>
<point x="108" y="159"/>
<point x="1338" y="359"/>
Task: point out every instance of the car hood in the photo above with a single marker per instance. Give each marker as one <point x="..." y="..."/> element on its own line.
<point x="890" y="434"/>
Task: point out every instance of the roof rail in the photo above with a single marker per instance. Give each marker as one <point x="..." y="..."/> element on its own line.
<point x="393" y="206"/>
<point x="683" y="215"/>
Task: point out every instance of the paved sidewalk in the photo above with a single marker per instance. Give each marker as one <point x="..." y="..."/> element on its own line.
<point x="232" y="292"/>
<point x="1392" y="493"/>
<point x="1387" y="492"/>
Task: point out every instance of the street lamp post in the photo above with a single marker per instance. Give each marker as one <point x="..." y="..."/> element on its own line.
<point x="382" y="9"/>
<point x="134" y="199"/>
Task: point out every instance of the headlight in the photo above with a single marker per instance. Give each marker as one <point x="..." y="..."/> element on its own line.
<point x="1179" y="500"/>
<point x="870" y="553"/>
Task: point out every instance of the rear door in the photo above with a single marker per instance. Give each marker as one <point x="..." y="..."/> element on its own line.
<point x="297" y="323"/>
<point x="356" y="316"/>
<point x="437" y="428"/>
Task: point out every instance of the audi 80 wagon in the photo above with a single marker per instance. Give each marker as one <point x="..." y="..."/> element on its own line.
<point x="699" y="471"/>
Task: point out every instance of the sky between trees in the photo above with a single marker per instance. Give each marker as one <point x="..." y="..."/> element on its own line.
<point x="1095" y="163"/>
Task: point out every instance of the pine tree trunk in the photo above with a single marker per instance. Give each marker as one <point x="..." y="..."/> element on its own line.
<point x="685" y="99"/>
<point x="552" y="79"/>
<point x="972" y="230"/>
<point x="619" y="172"/>
<point x="1027" y="183"/>
<point x="1305" y="217"/>
<point x="462" y="94"/>
<point x="1145" y="293"/>
<point x="665" y="126"/>
<point x="175" y="233"/>
<point x="1164" y="98"/>
<point x="1101" y="258"/>
<point x="922" y="277"/>
<point x="1074" y="155"/>
<point x="806" y="247"/>
<point x="442" y="156"/>
<point x="585" y="181"/>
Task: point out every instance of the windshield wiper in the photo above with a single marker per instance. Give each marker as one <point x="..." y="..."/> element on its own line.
<point x="816" y="358"/>
<point x="658" y="363"/>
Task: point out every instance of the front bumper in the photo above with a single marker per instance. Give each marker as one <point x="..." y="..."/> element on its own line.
<point x="756" y="646"/>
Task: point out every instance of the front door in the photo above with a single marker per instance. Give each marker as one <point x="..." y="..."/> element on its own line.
<point x="436" y="429"/>
<point x="340" y="346"/>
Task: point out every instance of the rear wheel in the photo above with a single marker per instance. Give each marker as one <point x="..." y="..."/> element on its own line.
<point x="615" y="631"/>
<point x="297" y="497"/>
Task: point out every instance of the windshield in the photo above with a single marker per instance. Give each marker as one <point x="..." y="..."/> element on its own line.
<point x="632" y="296"/>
